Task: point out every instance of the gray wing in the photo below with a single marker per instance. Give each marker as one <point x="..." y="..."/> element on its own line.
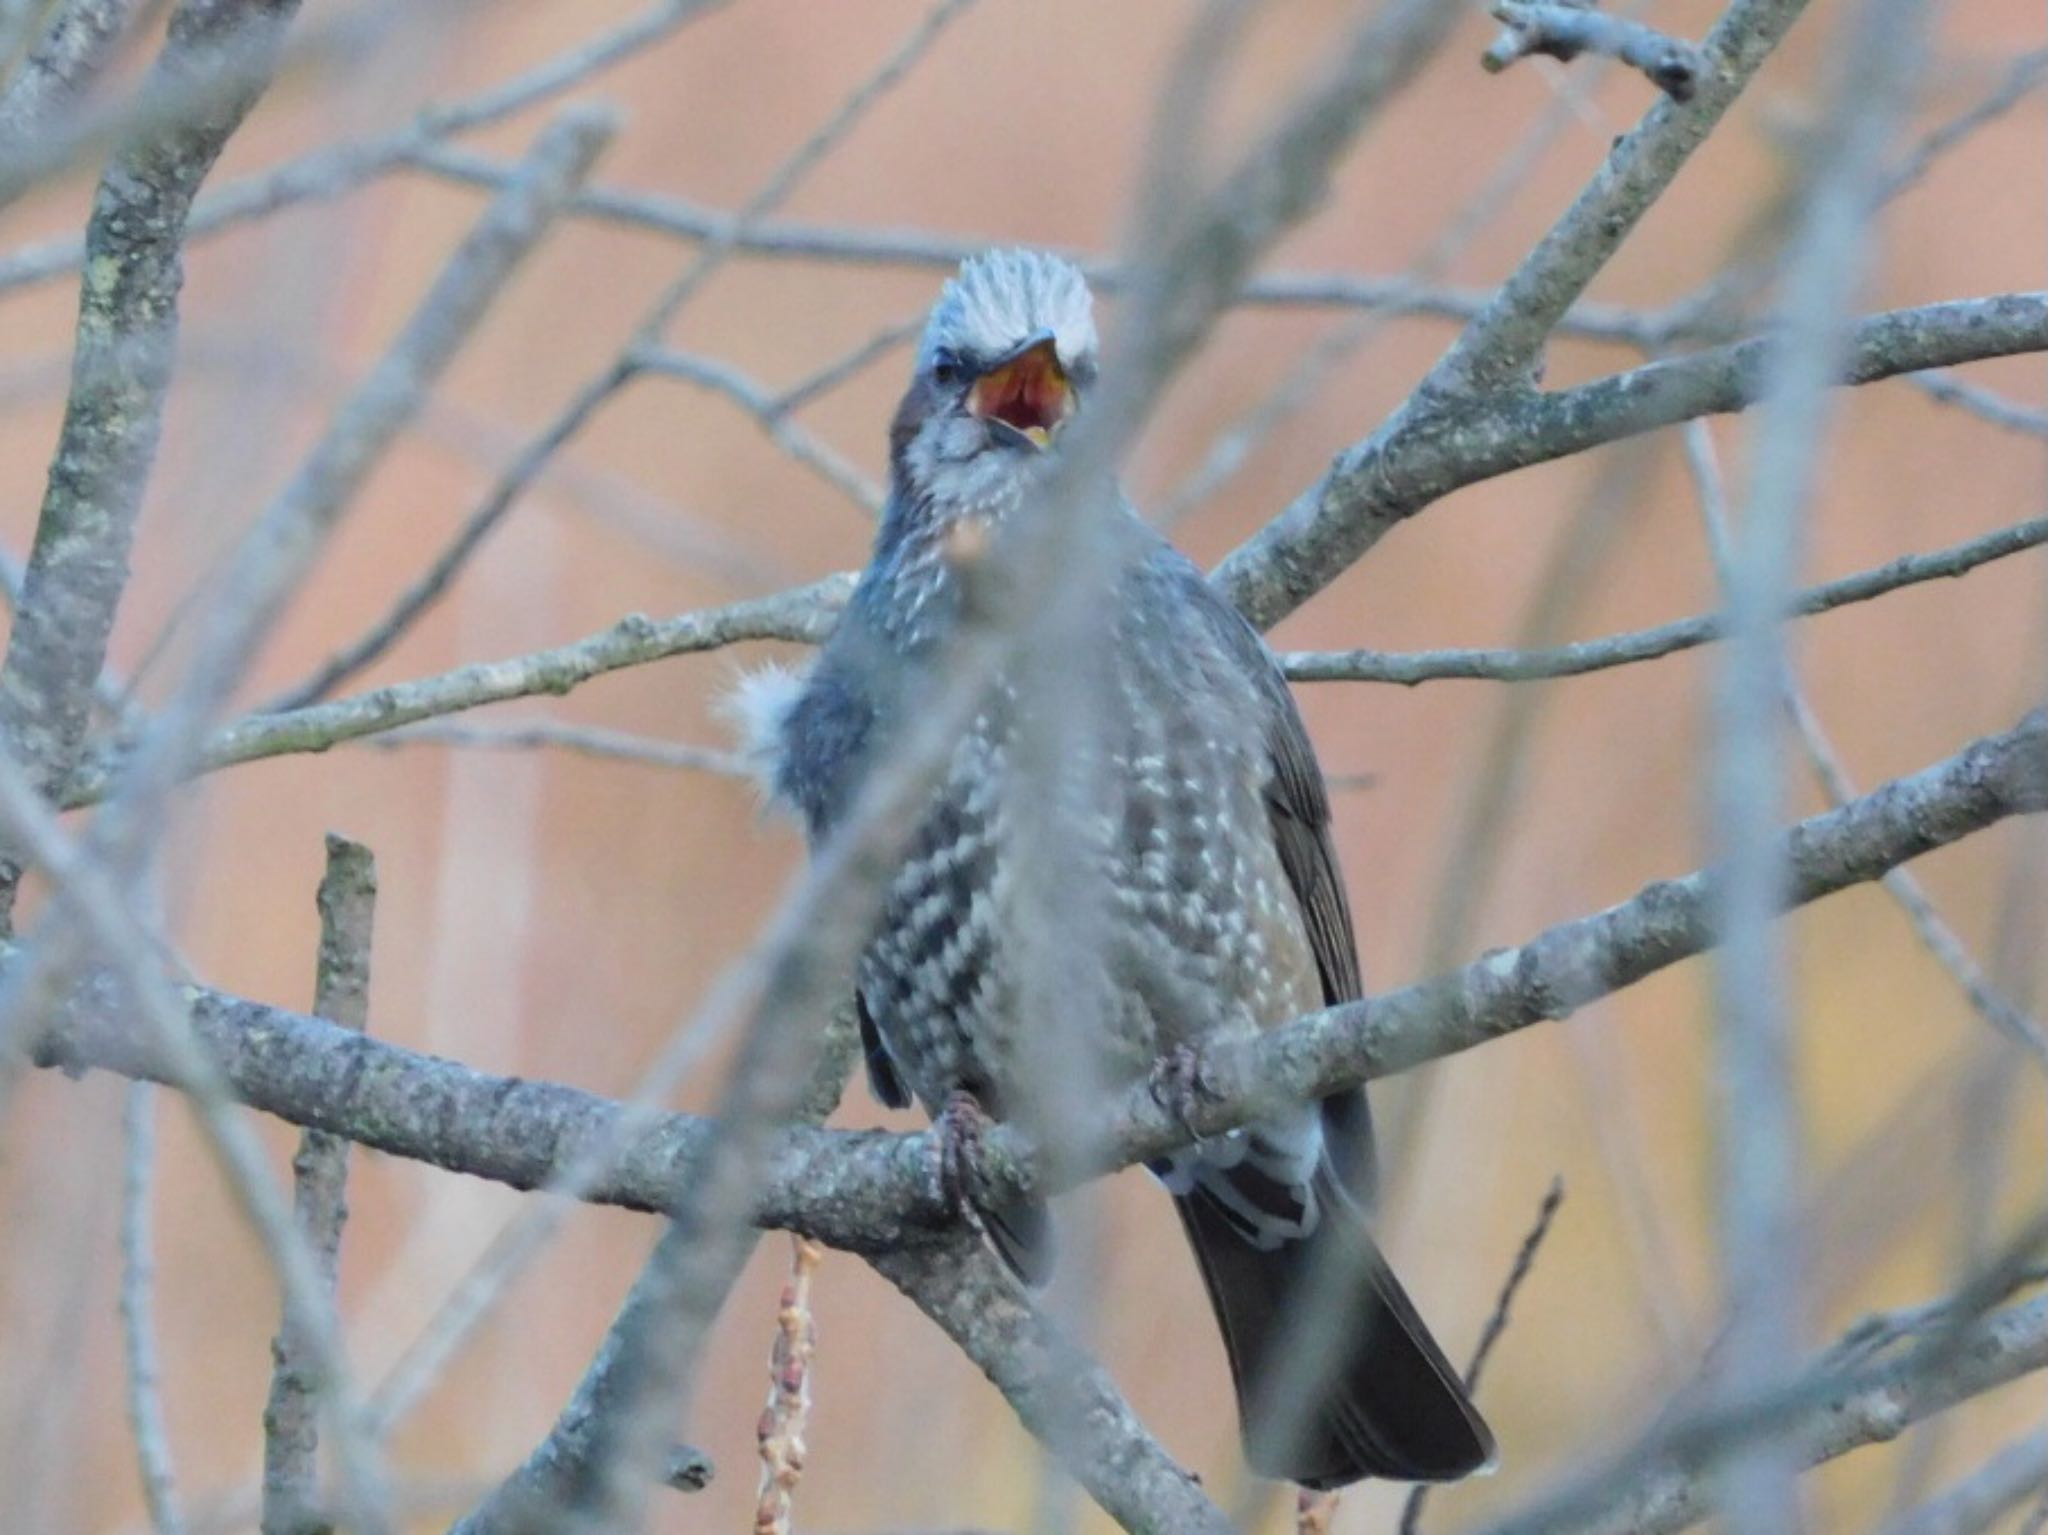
<point x="1298" y="813"/>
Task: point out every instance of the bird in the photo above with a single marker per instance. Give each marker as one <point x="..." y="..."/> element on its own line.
<point x="1222" y="884"/>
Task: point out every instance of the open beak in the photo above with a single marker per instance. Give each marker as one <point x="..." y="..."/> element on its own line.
<point x="1028" y="393"/>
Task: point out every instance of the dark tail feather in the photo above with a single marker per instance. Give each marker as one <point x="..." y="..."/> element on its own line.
<point x="1021" y="1234"/>
<point x="1387" y="1402"/>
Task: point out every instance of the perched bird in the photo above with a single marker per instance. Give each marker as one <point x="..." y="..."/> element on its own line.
<point x="1221" y="884"/>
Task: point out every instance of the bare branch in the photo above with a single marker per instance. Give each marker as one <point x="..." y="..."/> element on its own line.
<point x="1945" y="388"/>
<point x="1412" y="668"/>
<point x="867" y="1190"/>
<point x="279" y="551"/>
<point x="1564" y="31"/>
<point x="89" y="907"/>
<point x="1429" y="450"/>
<point x="341" y="994"/>
<point x="1821" y="1417"/>
<point x="332" y="171"/>
<point x="772" y="417"/>
<point x="1059" y="1393"/>
<point x="1759" y="1138"/>
<point x="1496" y="1326"/>
<point x="622" y="370"/>
<point x="558" y="1480"/>
<point x="803" y="613"/>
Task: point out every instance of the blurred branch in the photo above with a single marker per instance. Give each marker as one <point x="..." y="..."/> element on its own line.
<point x="276" y="555"/>
<point x="1760" y="1125"/>
<point x="627" y="365"/>
<point x="866" y="1190"/>
<point x="2022" y="78"/>
<point x="138" y="1315"/>
<point x="772" y="417"/>
<point x="558" y="1482"/>
<point x="347" y="899"/>
<point x="555" y="1478"/>
<point x="2015" y="1474"/>
<point x="120" y="374"/>
<point x="1564" y="31"/>
<point x="586" y="740"/>
<point x="1941" y="940"/>
<point x="1060" y="1394"/>
<point x="1496" y="665"/>
<point x="76" y="45"/>
<point x="336" y="169"/>
<point x="1945" y="388"/>
<point x="1817" y="1418"/>
<point x="90" y="907"/>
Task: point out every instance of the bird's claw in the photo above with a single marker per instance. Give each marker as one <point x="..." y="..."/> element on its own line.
<point x="959" y="1127"/>
<point x="1179" y="1086"/>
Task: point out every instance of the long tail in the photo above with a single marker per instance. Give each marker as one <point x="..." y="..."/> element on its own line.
<point x="1386" y="1402"/>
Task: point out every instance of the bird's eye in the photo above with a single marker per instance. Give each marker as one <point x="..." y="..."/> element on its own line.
<point x="947" y="368"/>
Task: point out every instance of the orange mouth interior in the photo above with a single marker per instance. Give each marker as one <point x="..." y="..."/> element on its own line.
<point x="1029" y="393"/>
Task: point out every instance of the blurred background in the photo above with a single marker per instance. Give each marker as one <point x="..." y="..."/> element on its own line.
<point x="553" y="916"/>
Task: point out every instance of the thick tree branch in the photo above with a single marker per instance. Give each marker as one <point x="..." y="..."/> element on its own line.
<point x="868" y="1190"/>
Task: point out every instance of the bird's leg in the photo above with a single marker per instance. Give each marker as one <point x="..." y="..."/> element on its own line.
<point x="959" y="1127"/>
<point x="1178" y="1086"/>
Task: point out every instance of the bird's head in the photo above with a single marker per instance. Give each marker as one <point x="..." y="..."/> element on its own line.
<point x="1007" y="355"/>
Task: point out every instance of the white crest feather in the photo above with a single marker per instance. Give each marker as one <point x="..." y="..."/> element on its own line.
<point x="1003" y="297"/>
<point x="757" y="709"/>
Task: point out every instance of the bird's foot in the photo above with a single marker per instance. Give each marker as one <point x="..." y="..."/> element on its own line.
<point x="959" y="1127"/>
<point x="1179" y="1086"/>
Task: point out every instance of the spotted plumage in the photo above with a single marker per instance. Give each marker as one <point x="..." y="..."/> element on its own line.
<point x="1225" y="912"/>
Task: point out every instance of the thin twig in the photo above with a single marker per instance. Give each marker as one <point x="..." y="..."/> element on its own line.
<point x="2016" y="1473"/>
<point x="772" y="416"/>
<point x="92" y="910"/>
<point x="341" y="994"/>
<point x="278" y="553"/>
<point x="339" y="168"/>
<point x="802" y="613"/>
<point x="138" y="1315"/>
<point x="598" y="390"/>
<point x="1564" y="31"/>
<point x="1941" y="940"/>
<point x="585" y="740"/>
<point x="1496" y="1326"/>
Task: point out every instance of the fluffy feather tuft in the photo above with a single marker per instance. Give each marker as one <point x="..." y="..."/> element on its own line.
<point x="757" y="710"/>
